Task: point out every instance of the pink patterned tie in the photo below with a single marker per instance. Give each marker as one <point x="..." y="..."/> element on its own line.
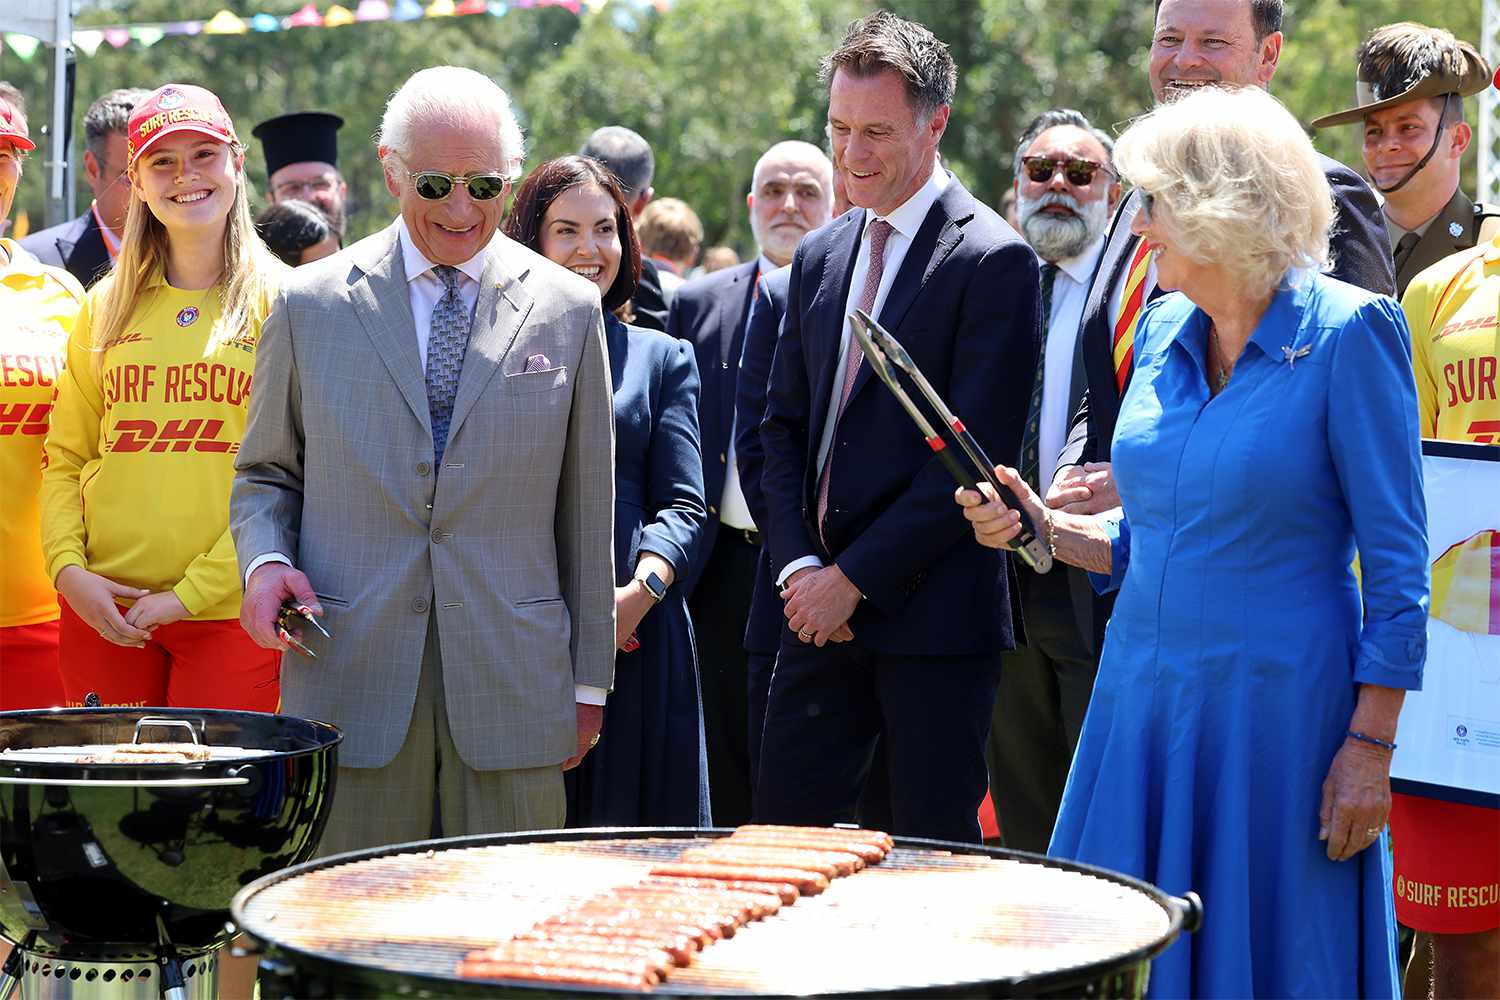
<point x="880" y="230"/>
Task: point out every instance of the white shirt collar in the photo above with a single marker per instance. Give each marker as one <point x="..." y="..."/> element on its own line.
<point x="907" y="218"/>
<point x="417" y="264"/>
<point x="1081" y="267"/>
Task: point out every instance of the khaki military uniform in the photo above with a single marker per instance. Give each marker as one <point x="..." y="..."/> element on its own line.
<point x="1460" y="225"/>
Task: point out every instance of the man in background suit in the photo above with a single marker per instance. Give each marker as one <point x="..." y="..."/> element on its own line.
<point x="1196" y="43"/>
<point x="1066" y="188"/>
<point x="87" y="245"/>
<point x="430" y="444"/>
<point x="864" y="549"/>
<point x="302" y="163"/>
<point x="1410" y="102"/>
<point x="791" y="193"/>
<point x="628" y="156"/>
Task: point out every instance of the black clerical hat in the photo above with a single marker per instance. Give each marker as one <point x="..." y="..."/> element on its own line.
<point x="299" y="137"/>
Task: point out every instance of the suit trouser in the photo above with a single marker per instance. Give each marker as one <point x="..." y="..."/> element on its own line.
<point x="428" y="788"/>
<point x="720" y="604"/>
<point x="1038" y="714"/>
<point x="826" y="711"/>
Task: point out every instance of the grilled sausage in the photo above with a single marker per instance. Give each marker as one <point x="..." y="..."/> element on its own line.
<point x="754" y="905"/>
<point x="536" y="972"/>
<point x="739" y="911"/>
<point x="806" y="882"/>
<point x="783" y="891"/>
<point x="830" y="863"/>
<point x="868" y="852"/>
<point x="546" y="953"/>
<point x="876" y="837"/>
<point x="617" y="924"/>
<point x="717" y="924"/>
<point x="680" y="947"/>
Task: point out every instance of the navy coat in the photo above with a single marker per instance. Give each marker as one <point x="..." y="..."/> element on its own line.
<point x="649" y="768"/>
<point x="965" y="304"/>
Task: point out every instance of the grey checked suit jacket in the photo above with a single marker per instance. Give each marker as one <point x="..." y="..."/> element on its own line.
<point x="510" y="544"/>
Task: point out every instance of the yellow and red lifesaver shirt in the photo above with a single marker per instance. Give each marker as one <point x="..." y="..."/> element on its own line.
<point x="40" y="305"/>
<point x="140" y="456"/>
<point x="1453" y="309"/>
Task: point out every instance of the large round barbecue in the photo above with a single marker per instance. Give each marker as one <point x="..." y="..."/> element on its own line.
<point x="119" y="855"/>
<point x="929" y="917"/>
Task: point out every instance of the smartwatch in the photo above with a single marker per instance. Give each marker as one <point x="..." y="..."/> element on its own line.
<point x="654" y="586"/>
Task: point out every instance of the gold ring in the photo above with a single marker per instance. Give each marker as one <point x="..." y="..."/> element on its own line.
<point x="594" y="742"/>
<point x="1373" y="831"/>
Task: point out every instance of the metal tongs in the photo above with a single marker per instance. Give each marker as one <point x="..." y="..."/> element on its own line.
<point x="882" y="351"/>
<point x="291" y="614"/>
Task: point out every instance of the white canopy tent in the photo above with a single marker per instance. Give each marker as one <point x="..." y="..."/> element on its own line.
<point x="52" y="22"/>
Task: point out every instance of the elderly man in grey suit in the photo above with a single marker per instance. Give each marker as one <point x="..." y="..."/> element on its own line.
<point x="428" y="465"/>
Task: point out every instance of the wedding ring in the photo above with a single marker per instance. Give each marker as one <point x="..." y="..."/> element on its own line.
<point x="1373" y="831"/>
<point x="805" y="634"/>
<point x="594" y="742"/>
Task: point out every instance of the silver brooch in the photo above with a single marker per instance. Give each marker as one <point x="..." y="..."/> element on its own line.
<point x="1291" y="356"/>
<point x="1455" y="230"/>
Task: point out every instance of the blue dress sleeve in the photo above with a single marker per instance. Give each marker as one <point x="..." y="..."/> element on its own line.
<point x="674" y="482"/>
<point x="1117" y="527"/>
<point x="1375" y="443"/>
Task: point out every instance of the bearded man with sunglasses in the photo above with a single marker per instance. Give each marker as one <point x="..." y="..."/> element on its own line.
<point x="429" y="468"/>
<point x="1066" y="188"/>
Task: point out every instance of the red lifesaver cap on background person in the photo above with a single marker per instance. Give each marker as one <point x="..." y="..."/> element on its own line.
<point x="13" y="127"/>
<point x="176" y="107"/>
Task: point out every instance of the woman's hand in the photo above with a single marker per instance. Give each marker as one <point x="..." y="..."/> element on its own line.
<point x="1356" y="799"/>
<point x="632" y="601"/>
<point x="994" y="523"/>
<point x="162" y="608"/>
<point x="92" y="598"/>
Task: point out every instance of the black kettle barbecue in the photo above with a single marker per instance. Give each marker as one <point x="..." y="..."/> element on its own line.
<point x="119" y="876"/>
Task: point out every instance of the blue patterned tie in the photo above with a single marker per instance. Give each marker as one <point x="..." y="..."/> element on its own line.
<point x="446" y="344"/>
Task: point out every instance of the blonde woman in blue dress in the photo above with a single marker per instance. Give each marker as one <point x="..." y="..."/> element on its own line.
<point x="1239" y="739"/>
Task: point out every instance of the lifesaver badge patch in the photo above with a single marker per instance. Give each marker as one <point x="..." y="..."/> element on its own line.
<point x="188" y="316"/>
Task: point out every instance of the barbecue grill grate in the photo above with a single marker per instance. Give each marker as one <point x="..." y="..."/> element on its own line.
<point x="919" y="918"/>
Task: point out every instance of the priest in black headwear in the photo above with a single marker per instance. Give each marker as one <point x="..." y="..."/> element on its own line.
<point x="302" y="155"/>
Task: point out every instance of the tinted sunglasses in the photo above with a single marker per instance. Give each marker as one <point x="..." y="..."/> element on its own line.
<point x="1079" y="173"/>
<point x="434" y="185"/>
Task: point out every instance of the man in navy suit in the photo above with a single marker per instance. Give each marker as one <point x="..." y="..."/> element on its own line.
<point x="791" y="193"/>
<point x="862" y="540"/>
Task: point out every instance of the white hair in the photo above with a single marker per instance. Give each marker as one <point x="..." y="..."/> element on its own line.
<point x="457" y="95"/>
<point x="1240" y="181"/>
<point x="802" y="154"/>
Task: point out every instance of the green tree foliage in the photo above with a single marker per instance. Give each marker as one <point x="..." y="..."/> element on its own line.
<point x="711" y="83"/>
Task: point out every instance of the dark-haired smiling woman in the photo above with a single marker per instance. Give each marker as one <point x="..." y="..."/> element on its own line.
<point x="649" y="768"/>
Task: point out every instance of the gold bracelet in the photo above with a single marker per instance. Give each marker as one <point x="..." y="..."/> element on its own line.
<point x="1049" y="530"/>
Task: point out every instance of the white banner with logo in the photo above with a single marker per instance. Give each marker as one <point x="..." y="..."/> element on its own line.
<point x="1449" y="735"/>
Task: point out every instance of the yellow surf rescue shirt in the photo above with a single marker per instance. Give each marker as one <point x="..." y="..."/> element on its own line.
<point x="40" y="304"/>
<point x="1452" y="309"/>
<point x="140" y="457"/>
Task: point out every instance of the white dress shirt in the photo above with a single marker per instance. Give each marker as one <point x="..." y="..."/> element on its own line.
<point x="734" y="511"/>
<point x="904" y="221"/>
<point x="424" y="290"/>
<point x="1070" y="293"/>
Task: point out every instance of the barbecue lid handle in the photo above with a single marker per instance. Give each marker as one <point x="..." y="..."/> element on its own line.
<point x="164" y="723"/>
<point x="1191" y="907"/>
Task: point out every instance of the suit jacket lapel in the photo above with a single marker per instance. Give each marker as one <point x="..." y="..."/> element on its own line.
<point x="935" y="240"/>
<point x="839" y="260"/>
<point x="382" y="304"/>
<point x="502" y="305"/>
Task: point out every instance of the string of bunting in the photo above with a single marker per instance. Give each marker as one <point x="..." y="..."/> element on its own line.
<point x="336" y="15"/>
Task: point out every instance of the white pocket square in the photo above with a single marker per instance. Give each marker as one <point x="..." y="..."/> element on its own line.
<point x="537" y="363"/>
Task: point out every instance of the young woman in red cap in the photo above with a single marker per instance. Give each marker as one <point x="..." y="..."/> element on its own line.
<point x="149" y="414"/>
<point x="40" y="305"/>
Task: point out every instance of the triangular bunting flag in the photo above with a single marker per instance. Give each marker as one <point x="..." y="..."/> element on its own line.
<point x="88" y="42"/>
<point x="146" y="37"/>
<point x="338" y="16"/>
<point x="224" y="23"/>
<point x="372" y="10"/>
<point x="22" y="45"/>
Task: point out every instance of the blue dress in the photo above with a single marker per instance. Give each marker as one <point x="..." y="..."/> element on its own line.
<point x="1230" y="664"/>
<point x="650" y="768"/>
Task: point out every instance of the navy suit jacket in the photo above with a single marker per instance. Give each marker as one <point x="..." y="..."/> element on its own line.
<point x="763" y="628"/>
<point x="77" y="246"/>
<point x="709" y="312"/>
<point x="965" y="305"/>
<point x="1361" y="256"/>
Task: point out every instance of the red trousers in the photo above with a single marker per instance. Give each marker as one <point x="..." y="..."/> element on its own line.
<point x="28" y="667"/>
<point x="185" y="664"/>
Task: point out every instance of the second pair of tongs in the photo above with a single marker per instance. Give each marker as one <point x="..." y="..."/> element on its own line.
<point x="294" y="614"/>
<point x="882" y="351"/>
